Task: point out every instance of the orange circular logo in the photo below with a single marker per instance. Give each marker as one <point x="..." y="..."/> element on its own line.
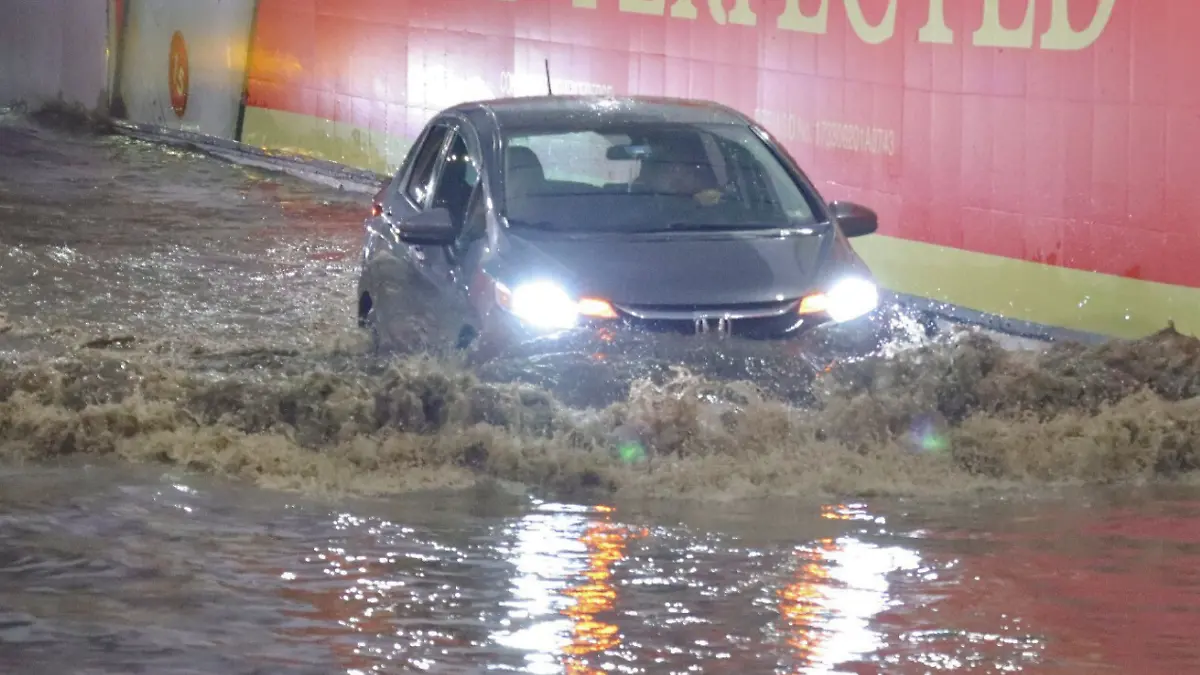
<point x="179" y="75"/>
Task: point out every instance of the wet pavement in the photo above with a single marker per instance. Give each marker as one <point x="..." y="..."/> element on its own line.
<point x="177" y="339"/>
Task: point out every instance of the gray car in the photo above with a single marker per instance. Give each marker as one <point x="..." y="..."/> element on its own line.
<point x="526" y="222"/>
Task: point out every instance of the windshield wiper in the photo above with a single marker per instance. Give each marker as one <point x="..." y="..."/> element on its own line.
<point x="533" y="225"/>
<point x="700" y="227"/>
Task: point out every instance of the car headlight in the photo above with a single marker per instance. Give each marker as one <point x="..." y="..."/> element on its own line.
<point x="851" y="298"/>
<point x="547" y="306"/>
<point x="846" y="300"/>
<point x="543" y="304"/>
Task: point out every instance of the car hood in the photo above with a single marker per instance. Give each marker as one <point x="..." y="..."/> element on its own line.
<point x="677" y="268"/>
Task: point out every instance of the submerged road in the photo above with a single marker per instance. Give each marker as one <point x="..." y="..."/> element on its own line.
<point x="107" y="237"/>
<point x="169" y="322"/>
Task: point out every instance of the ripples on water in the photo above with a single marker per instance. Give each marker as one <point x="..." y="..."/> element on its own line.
<point x="182" y="313"/>
<point x="173" y="575"/>
<point x="104" y="236"/>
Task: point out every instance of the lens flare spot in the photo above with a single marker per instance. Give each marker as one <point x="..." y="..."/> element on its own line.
<point x="631" y="452"/>
<point x="926" y="436"/>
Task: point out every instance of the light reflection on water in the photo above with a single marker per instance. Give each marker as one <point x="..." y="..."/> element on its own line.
<point x="174" y="577"/>
<point x="563" y="589"/>
<point x="564" y="609"/>
<point x="837" y="589"/>
<point x="546" y="554"/>
<point x="596" y="596"/>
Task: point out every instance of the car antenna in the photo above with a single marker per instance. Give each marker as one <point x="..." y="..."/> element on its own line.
<point x="549" y="89"/>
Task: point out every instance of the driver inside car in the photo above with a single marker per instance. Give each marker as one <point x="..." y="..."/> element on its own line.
<point x="673" y="172"/>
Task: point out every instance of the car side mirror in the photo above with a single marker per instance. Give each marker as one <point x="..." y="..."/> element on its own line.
<point x="855" y="220"/>
<point x="431" y="227"/>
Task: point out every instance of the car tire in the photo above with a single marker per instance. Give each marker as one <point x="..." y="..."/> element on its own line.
<point x="931" y="324"/>
<point x="371" y="323"/>
<point x="467" y="336"/>
<point x="482" y="349"/>
<point x="467" y="341"/>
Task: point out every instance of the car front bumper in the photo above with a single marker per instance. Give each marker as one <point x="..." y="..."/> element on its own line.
<point x="813" y="341"/>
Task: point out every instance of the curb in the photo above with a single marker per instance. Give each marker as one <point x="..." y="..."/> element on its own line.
<point x="321" y="171"/>
<point x="1016" y="328"/>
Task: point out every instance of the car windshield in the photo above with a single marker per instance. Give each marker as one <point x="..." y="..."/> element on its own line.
<point x="648" y="178"/>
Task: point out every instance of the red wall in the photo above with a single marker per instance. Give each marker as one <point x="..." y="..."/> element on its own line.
<point x="1084" y="158"/>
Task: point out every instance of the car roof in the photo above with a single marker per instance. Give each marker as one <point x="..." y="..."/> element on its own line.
<point x="533" y="111"/>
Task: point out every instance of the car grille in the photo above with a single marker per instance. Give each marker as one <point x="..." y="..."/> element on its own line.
<point x="766" y="319"/>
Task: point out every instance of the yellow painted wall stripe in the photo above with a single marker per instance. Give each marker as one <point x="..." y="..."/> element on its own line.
<point x="318" y="138"/>
<point x="1016" y="289"/>
<point x="1029" y="291"/>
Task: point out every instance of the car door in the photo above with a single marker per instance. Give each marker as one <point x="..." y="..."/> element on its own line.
<point x="471" y="244"/>
<point x="446" y="174"/>
<point x="455" y="181"/>
<point x="413" y="297"/>
<point x="467" y="204"/>
<point x="412" y="191"/>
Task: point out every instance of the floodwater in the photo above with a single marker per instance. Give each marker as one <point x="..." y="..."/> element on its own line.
<point x="201" y="472"/>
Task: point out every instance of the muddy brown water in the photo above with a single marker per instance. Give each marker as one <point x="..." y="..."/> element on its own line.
<point x="201" y="472"/>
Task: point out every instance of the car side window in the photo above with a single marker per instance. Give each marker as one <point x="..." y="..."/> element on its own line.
<point x="475" y="225"/>
<point x="456" y="181"/>
<point x="420" y="181"/>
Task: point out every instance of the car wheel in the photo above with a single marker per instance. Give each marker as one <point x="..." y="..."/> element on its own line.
<point x="467" y="336"/>
<point x="482" y="349"/>
<point x="929" y="321"/>
<point x="371" y="323"/>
